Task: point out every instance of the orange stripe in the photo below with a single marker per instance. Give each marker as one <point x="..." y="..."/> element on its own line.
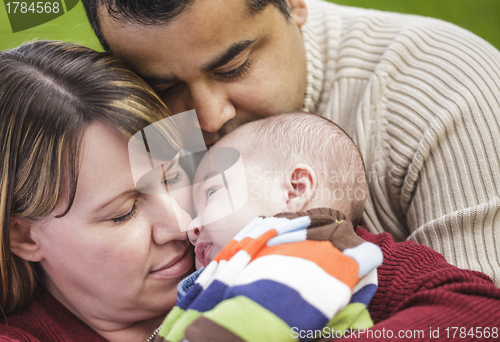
<point x="251" y="246"/>
<point x="323" y="254"/>
<point x="228" y="251"/>
<point x="260" y="243"/>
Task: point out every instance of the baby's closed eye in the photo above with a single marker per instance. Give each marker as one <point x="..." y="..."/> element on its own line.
<point x="209" y="192"/>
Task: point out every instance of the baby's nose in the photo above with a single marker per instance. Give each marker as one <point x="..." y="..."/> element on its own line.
<point x="194" y="230"/>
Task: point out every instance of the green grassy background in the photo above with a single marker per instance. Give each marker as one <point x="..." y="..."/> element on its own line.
<point x="479" y="16"/>
<point x="71" y="27"/>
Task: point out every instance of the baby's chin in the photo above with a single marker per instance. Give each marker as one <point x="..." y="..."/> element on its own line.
<point x="197" y="263"/>
<point x="213" y="253"/>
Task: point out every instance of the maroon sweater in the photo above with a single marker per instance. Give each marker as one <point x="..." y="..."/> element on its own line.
<point x="417" y="290"/>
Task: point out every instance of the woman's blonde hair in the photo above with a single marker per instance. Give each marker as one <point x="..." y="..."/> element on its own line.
<point x="49" y="93"/>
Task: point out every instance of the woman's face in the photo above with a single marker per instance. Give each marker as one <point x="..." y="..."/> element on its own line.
<point x="116" y="258"/>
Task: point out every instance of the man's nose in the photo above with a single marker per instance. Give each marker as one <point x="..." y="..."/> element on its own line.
<point x="212" y="104"/>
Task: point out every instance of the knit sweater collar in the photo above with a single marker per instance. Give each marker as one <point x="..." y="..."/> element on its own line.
<point x="320" y="34"/>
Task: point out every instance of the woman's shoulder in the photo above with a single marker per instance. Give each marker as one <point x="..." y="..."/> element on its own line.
<point x="44" y="319"/>
<point x="23" y="324"/>
<point x="12" y="334"/>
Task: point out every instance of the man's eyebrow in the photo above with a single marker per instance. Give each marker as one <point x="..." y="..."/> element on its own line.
<point x="224" y="58"/>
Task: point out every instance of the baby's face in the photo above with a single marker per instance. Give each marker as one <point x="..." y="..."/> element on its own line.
<point x="216" y="223"/>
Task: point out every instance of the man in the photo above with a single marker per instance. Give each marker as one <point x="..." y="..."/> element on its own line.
<point x="419" y="96"/>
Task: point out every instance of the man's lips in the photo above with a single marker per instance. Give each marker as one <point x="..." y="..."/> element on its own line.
<point x="202" y="251"/>
<point x="177" y="267"/>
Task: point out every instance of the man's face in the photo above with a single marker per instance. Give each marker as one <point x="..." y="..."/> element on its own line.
<point x="216" y="58"/>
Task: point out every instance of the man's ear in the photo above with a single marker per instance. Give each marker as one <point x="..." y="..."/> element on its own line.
<point x="21" y="239"/>
<point x="298" y="11"/>
<point x="301" y="187"/>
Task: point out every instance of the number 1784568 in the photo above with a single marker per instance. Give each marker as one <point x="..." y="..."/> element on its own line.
<point x="39" y="7"/>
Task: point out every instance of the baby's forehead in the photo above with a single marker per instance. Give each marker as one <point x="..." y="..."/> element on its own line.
<point x="218" y="160"/>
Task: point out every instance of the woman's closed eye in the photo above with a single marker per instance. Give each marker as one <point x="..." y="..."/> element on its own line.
<point x="127" y="216"/>
<point x="172" y="179"/>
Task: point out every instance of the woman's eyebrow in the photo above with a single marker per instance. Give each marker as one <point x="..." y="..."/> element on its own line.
<point x="166" y="166"/>
<point x="224" y="58"/>
<point x="127" y="193"/>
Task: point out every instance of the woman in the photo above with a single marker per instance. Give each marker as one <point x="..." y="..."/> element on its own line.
<point x="74" y="229"/>
<point x="87" y="257"/>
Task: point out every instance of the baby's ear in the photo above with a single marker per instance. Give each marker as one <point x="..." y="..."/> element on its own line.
<point x="301" y="187"/>
<point x="21" y="239"/>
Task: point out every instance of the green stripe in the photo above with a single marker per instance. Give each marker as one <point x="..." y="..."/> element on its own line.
<point x="354" y="315"/>
<point x="176" y="322"/>
<point x="249" y="320"/>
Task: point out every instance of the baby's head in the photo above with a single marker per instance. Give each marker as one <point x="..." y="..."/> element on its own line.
<point x="293" y="162"/>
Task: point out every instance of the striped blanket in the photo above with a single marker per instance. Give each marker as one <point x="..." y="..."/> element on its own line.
<point x="282" y="278"/>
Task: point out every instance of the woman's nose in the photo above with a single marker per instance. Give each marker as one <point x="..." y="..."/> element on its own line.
<point x="169" y="221"/>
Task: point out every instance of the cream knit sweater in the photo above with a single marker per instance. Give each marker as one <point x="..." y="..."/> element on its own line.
<point x="421" y="98"/>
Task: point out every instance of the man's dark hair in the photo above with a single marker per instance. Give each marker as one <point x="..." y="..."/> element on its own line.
<point x="157" y="12"/>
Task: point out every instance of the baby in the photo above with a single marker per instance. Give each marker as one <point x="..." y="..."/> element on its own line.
<point x="293" y="162"/>
<point x="296" y="270"/>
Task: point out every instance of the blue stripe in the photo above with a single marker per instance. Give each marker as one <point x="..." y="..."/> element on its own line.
<point x="283" y="301"/>
<point x="364" y="295"/>
<point x="190" y="296"/>
<point x="209" y="298"/>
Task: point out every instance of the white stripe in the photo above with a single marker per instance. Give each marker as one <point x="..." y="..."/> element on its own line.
<point x="370" y="278"/>
<point x="299" y="223"/>
<point x="206" y="277"/>
<point x="297" y="236"/>
<point x="259" y="226"/>
<point x="224" y="271"/>
<point x="243" y="233"/>
<point x="233" y="267"/>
